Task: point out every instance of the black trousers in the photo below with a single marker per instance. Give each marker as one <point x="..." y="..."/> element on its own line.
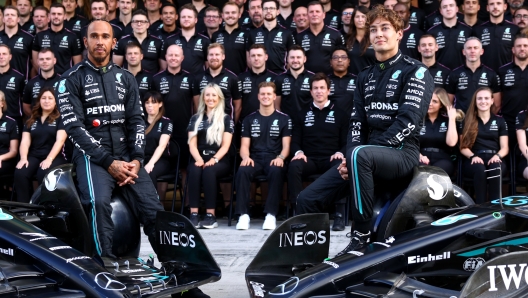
<point x="244" y="177"/>
<point x="161" y="167"/>
<point x="24" y="177"/>
<point x="8" y="166"/>
<point x="480" y="178"/>
<point x="298" y="170"/>
<point x="206" y="179"/>
<point x="96" y="186"/>
<point x="441" y="160"/>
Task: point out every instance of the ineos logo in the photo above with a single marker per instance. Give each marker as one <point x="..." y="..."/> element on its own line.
<point x="107" y="281"/>
<point x="301" y="238"/>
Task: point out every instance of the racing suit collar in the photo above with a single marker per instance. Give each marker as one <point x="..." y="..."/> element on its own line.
<point x="389" y="62"/>
<point x="103" y="69"/>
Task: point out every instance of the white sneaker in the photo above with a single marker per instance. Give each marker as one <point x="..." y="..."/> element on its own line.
<point x="243" y="222"/>
<point x="270" y="223"/>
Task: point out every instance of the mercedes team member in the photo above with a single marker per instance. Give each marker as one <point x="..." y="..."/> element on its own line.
<point x="428" y="48"/>
<point x="411" y="34"/>
<point x="342" y="82"/>
<point x="107" y="130"/>
<point x="133" y="57"/>
<point x="47" y="77"/>
<point x="12" y="83"/>
<point x="18" y="41"/>
<point x="383" y="139"/>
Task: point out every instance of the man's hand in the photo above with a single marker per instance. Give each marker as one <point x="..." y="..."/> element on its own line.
<point x="123" y="172"/>
<point x="424" y="159"/>
<point x="300" y="156"/>
<point x="247" y="162"/>
<point x="337" y="155"/>
<point x="278" y="162"/>
<point x="343" y="170"/>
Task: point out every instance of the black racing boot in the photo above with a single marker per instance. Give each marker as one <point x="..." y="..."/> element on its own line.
<point x="357" y="241"/>
<point x="339" y="222"/>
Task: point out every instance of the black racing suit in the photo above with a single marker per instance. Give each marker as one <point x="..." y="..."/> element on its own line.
<point x="102" y="114"/>
<point x="390" y="102"/>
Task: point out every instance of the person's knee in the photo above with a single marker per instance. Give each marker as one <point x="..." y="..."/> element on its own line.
<point x="274" y="171"/>
<point x="296" y="166"/>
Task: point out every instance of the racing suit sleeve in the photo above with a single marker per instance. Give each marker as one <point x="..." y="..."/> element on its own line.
<point x="413" y="104"/>
<point x="134" y="122"/>
<point x="68" y="96"/>
<point x="358" y="126"/>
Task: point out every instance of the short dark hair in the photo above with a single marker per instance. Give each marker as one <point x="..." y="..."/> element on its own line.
<point x="340" y="48"/>
<point x="258" y="46"/>
<point x="190" y="7"/>
<point x="319" y="77"/>
<point x="315" y="3"/>
<point x="140" y="12"/>
<point x="41" y="7"/>
<point x="46" y="50"/>
<point x="14" y="8"/>
<point x="3" y="45"/>
<point x="297" y="47"/>
<point x="212" y="8"/>
<point x="267" y="84"/>
<point x="274" y="1"/>
<point x="99" y="1"/>
<point x="519" y="36"/>
<point x="522" y="7"/>
<point x="168" y="4"/>
<point x="347" y="6"/>
<point x="133" y="44"/>
<point x="57" y="5"/>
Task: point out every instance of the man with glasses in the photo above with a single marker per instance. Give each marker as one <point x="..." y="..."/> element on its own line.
<point x="513" y="5"/>
<point x="520" y="17"/>
<point x="169" y="16"/>
<point x="273" y="36"/>
<point x="65" y="44"/>
<point x="150" y="45"/>
<point x="212" y="21"/>
<point x="346" y="18"/>
<point x="496" y="36"/>
<point x="233" y="38"/>
<point x="125" y="16"/>
<point x="342" y="83"/>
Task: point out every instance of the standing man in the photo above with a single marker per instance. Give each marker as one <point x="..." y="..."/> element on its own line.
<point x="496" y="36"/>
<point x="450" y="35"/>
<point x="72" y="21"/>
<point x="244" y="19"/>
<point x="346" y="18"/>
<point x="212" y="20"/>
<point x="342" y="83"/>
<point x="218" y="74"/>
<point x="64" y="43"/>
<point x="417" y="18"/>
<point x="273" y="36"/>
<point x="47" y="77"/>
<point x="318" y="41"/>
<point x="471" y="9"/>
<point x="255" y="14"/>
<point x="252" y="78"/>
<point x="411" y="34"/>
<point x="150" y="45"/>
<point x="194" y="44"/>
<point x="513" y="6"/>
<point x="300" y="17"/>
<point x="99" y="10"/>
<point x="26" y="23"/>
<point x="134" y="56"/>
<point x="12" y="83"/>
<point x="154" y="16"/>
<point x="520" y="17"/>
<point x="332" y="16"/>
<point x="102" y="161"/>
<point x="41" y="19"/>
<point x="112" y="10"/>
<point x="233" y="38"/>
<point x="293" y="86"/>
<point x="285" y="17"/>
<point x="266" y="137"/>
<point x="169" y="17"/>
<point x="428" y="48"/>
<point x="466" y="79"/>
<point x="125" y="16"/>
<point x="19" y="41"/>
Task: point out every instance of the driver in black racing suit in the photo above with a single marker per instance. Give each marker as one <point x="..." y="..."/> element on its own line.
<point x="390" y="102"/>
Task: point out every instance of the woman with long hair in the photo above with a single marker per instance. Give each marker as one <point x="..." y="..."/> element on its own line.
<point x="439" y="133"/>
<point x="157" y="136"/>
<point x="8" y="139"/>
<point x="210" y="133"/>
<point x="42" y="144"/>
<point x="484" y="143"/>
<point x="360" y="51"/>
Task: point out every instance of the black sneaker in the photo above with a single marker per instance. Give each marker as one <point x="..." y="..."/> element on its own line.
<point x="339" y="222"/>
<point x="195" y="219"/>
<point x="209" y="221"/>
<point x="357" y="241"/>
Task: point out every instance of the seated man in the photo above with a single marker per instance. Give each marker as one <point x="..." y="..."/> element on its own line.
<point x="266" y="136"/>
<point x="319" y="139"/>
<point x="390" y="103"/>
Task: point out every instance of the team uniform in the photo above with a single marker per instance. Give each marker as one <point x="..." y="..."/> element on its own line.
<point x="105" y="126"/>
<point x="463" y="82"/>
<point x="288" y="22"/>
<point x="163" y="165"/>
<point x="29" y="27"/>
<point x="333" y="19"/>
<point x="359" y="59"/>
<point x="429" y="6"/>
<point x="8" y="132"/>
<point x="250" y="82"/>
<point x="277" y="42"/>
<point x="162" y="34"/>
<point x="235" y="47"/>
<point x="20" y="44"/>
<point x="433" y="143"/>
<point x="125" y="29"/>
<point x="43" y="137"/>
<point x="75" y="25"/>
<point x="450" y="42"/>
<point x="194" y="51"/>
<point x="64" y="44"/>
<point x="33" y="86"/>
<point x="319" y="47"/>
<point x="117" y="31"/>
<point x="342" y="91"/>
<point x="497" y="42"/>
<point x="12" y="83"/>
<point x="417" y="18"/>
<point x="409" y="43"/>
<point x="440" y="74"/>
<point x="294" y="92"/>
<point x="519" y="125"/>
<point x="228" y="82"/>
<point x="144" y="82"/>
<point x="265" y="134"/>
<point x="514" y="88"/>
<point x="151" y="46"/>
<point x="486" y="145"/>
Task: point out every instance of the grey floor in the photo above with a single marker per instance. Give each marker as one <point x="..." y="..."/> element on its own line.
<point x="234" y="250"/>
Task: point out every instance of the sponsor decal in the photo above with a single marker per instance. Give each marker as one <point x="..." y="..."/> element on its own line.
<point x="5" y="216"/>
<point x="78" y="258"/>
<point x="258" y="288"/>
<point x="382" y="244"/>
<point x="59" y="247"/>
<point x="52" y="178"/>
<point x="62" y="87"/>
<point x="331" y="264"/>
<point x="107" y="281"/>
<point x="512" y="201"/>
<point x="451" y="219"/>
<point x="105" y="109"/>
<point x="515" y="275"/>
<point x="420" y="73"/>
<point x="390" y="239"/>
<point x="302" y="238"/>
<point x="437" y="187"/>
<point x="7" y="251"/>
<point x="473" y="264"/>
<point x="356" y="253"/>
<point x="177" y="239"/>
<point x="429" y="258"/>
<point x="396" y="74"/>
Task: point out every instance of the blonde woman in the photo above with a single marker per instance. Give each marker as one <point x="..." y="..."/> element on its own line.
<point x="8" y="139"/>
<point x="210" y="133"/>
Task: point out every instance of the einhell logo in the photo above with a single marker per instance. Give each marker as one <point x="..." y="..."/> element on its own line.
<point x="428" y="258"/>
<point x="7" y="251"/>
<point x="513" y="272"/>
<point x="176" y="239"/>
<point x="301" y="238"/>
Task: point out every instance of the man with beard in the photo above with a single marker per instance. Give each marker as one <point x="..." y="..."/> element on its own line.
<point x="218" y="74"/>
<point x="513" y="5"/>
<point x="26" y="23"/>
<point x="293" y="86"/>
<point x="471" y="9"/>
<point x="194" y="44"/>
<point x="40" y="19"/>
<point x="300" y="18"/>
<point x="411" y="34"/>
<point x="428" y="48"/>
<point x="18" y="41"/>
<point x="255" y="14"/>
<point x="212" y="21"/>
<point x="133" y="57"/>
<point x="233" y="38"/>
<point x="12" y="83"/>
<point x="150" y="45"/>
<point x="346" y="18"/>
<point x="99" y="9"/>
<point x="273" y="36"/>
<point x="124" y="19"/>
<point x="112" y="10"/>
<point x="318" y="41"/>
<point x="47" y="77"/>
<point x="64" y="43"/>
<point x="417" y="18"/>
<point x="520" y="17"/>
<point x="73" y="21"/>
<point x="496" y="36"/>
<point x="332" y="16"/>
<point x="285" y="17"/>
<point x="169" y="16"/>
<point x="514" y="85"/>
<point x="154" y="16"/>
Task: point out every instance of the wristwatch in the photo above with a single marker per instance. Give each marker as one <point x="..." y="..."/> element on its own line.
<point x="215" y="159"/>
<point x="281" y="157"/>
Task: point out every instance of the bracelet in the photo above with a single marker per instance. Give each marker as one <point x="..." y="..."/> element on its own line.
<point x="500" y="157"/>
<point x="280" y="156"/>
<point x="472" y="156"/>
